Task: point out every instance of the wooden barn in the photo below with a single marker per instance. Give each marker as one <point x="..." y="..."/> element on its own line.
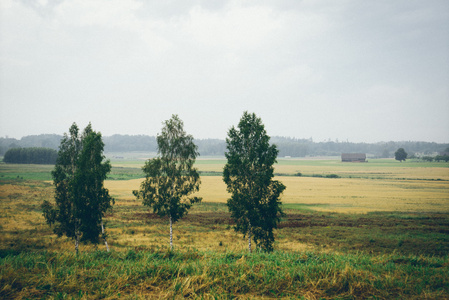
<point x="353" y="157"/>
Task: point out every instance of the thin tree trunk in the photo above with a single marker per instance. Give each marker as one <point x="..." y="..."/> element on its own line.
<point x="171" y="234"/>
<point x="249" y="238"/>
<point x="77" y="242"/>
<point x="104" y="236"/>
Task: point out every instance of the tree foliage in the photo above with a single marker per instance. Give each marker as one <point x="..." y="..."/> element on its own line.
<point x="32" y="155"/>
<point x="255" y="197"/>
<point x="80" y="196"/>
<point x="170" y="178"/>
<point x="400" y="155"/>
<point x="442" y="157"/>
<point x="427" y="158"/>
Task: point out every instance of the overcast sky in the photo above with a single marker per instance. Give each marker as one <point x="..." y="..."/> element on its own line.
<point x="363" y="71"/>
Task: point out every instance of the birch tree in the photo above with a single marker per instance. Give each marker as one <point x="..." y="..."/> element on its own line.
<point x="170" y="178"/>
<point x="80" y="196"/>
<point x="255" y="202"/>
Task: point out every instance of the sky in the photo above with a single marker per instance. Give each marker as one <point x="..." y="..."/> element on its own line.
<point x="347" y="70"/>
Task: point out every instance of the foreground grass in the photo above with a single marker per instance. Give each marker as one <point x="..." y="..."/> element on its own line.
<point x="144" y="273"/>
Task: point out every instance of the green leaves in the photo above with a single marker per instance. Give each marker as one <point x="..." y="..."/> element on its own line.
<point x="78" y="176"/>
<point x="92" y="198"/>
<point x="400" y="154"/>
<point x="254" y="202"/>
<point x="171" y="177"/>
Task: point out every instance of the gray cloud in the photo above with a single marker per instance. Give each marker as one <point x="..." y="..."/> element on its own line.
<point x="357" y="70"/>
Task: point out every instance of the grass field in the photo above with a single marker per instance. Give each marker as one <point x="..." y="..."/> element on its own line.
<point x="379" y="185"/>
<point x="380" y="231"/>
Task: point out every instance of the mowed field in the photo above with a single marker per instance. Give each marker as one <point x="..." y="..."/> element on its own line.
<point x="379" y="185"/>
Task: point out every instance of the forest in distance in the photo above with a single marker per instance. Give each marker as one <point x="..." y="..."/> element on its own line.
<point x="287" y="146"/>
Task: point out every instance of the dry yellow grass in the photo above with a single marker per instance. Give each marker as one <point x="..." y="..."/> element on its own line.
<point x="123" y="189"/>
<point x="183" y="237"/>
<point x="21" y="220"/>
<point x="364" y="195"/>
<point x="354" y="195"/>
<point x="15" y="200"/>
<point x="212" y="189"/>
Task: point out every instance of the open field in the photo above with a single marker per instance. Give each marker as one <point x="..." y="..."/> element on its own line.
<point x="380" y="185"/>
<point x="374" y="169"/>
<point x="380" y="231"/>
<point x="332" y="194"/>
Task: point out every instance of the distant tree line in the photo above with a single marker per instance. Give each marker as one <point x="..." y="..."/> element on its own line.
<point x="215" y="147"/>
<point x="307" y="147"/>
<point x="30" y="156"/>
<point x="32" y="141"/>
<point x="436" y="158"/>
<point x="211" y="147"/>
<point x="127" y="143"/>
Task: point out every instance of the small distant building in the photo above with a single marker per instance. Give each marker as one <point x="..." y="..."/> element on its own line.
<point x="353" y="157"/>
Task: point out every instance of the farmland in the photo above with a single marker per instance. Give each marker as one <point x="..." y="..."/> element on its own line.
<point x="380" y="185"/>
<point x="378" y="229"/>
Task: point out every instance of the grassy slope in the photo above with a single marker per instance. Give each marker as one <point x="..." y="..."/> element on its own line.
<point x="155" y="273"/>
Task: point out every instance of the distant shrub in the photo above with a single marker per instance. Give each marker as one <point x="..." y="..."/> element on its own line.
<point x="299" y="174"/>
<point x="442" y="157"/>
<point x="332" y="176"/>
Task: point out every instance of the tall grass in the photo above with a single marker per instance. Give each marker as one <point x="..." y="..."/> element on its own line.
<point x="192" y="274"/>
